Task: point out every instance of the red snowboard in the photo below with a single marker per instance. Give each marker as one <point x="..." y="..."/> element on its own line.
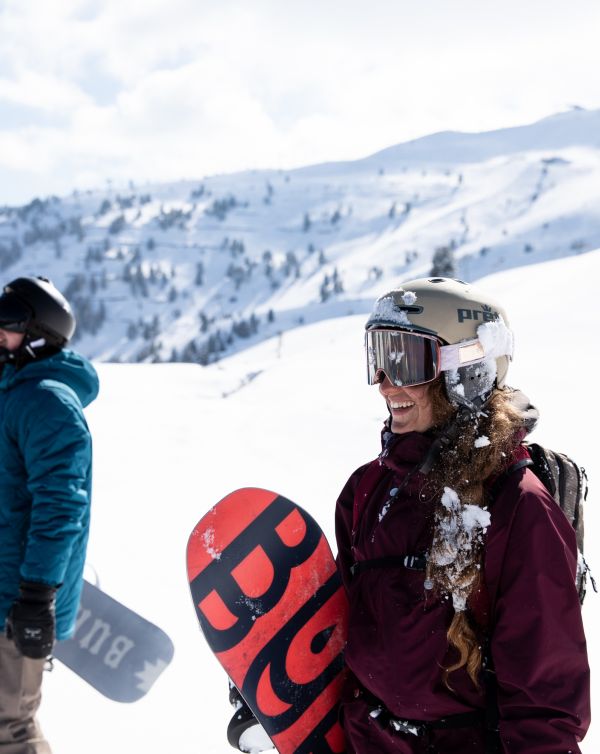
<point x="272" y="608"/>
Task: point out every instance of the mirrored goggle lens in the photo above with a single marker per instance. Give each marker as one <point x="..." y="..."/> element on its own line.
<point x="405" y="358"/>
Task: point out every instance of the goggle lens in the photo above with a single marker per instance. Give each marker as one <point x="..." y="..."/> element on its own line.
<point x="405" y="358"/>
<point x="19" y="327"/>
<point x="14" y="313"/>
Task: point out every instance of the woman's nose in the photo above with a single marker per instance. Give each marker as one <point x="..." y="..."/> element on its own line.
<point x="385" y="386"/>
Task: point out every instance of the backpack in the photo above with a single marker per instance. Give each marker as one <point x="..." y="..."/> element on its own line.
<point x="567" y="482"/>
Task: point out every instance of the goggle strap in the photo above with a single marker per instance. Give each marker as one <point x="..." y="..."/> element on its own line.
<point x="461" y="354"/>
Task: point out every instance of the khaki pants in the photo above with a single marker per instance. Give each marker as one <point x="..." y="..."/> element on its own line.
<point x="20" y="696"/>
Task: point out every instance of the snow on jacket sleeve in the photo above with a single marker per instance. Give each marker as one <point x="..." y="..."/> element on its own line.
<point x="56" y="446"/>
<point x="537" y="642"/>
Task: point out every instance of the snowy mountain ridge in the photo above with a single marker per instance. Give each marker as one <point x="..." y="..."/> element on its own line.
<point x="192" y="271"/>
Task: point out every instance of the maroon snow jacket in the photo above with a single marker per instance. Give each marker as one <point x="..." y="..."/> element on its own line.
<point x="397" y="642"/>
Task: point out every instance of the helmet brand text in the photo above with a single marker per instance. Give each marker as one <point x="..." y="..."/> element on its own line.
<point x="485" y="314"/>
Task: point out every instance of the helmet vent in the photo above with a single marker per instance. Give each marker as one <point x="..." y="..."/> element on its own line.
<point x="445" y="280"/>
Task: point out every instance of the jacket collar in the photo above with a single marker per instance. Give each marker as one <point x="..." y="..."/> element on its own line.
<point x="399" y="452"/>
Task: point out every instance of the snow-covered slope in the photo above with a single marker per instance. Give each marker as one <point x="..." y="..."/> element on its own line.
<point x="195" y="271"/>
<point x="293" y="414"/>
<point x="578" y="128"/>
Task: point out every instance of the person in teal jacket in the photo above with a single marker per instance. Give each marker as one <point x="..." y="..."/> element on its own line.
<point x="45" y="490"/>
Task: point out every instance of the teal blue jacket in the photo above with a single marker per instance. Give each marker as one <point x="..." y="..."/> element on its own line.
<point x="45" y="479"/>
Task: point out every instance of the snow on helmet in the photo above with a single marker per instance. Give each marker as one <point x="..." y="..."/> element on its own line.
<point x="454" y="313"/>
<point x="35" y="306"/>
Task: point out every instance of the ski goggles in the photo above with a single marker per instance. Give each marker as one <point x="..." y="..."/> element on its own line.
<point x="408" y="358"/>
<point x="14" y="315"/>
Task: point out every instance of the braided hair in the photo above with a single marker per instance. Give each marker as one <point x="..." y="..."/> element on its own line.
<point x="458" y="478"/>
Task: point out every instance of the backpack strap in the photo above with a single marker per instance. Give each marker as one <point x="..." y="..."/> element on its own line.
<point x="522" y="461"/>
<point x="412" y="562"/>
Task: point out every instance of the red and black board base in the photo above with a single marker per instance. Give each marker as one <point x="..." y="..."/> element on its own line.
<point x="272" y="608"/>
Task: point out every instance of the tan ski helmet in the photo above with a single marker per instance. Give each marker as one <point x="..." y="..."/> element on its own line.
<point x="448" y="309"/>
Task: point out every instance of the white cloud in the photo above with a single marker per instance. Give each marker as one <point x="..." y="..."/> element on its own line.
<point x="41" y="92"/>
<point x="157" y="90"/>
<point x="31" y="150"/>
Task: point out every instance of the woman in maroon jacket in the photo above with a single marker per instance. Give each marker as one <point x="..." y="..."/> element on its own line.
<point x="456" y="560"/>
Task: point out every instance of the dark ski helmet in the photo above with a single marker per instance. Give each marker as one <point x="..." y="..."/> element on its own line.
<point x="33" y="305"/>
<point x="455" y="314"/>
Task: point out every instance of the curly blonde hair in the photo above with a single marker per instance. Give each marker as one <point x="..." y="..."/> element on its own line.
<point x="464" y="466"/>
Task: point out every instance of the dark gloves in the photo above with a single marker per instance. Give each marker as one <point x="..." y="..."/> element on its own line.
<point x="31" y="620"/>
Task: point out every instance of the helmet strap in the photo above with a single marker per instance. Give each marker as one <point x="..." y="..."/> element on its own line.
<point x="472" y="385"/>
<point x="32" y="349"/>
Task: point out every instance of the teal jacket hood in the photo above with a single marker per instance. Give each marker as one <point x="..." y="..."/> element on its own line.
<point x="66" y="366"/>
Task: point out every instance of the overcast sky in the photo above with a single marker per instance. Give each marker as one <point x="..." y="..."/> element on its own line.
<point x="116" y="90"/>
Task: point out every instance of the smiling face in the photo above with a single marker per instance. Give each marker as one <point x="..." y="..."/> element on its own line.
<point x="411" y="407"/>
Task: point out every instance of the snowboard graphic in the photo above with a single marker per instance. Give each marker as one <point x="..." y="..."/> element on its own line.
<point x="113" y="648"/>
<point x="272" y="609"/>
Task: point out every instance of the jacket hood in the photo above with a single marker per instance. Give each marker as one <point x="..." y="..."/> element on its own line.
<point x="529" y="413"/>
<point x="66" y="366"/>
